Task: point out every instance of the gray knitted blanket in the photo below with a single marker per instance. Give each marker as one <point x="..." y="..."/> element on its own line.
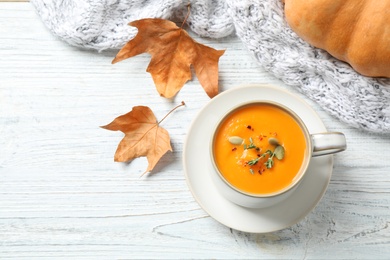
<point x="359" y="101"/>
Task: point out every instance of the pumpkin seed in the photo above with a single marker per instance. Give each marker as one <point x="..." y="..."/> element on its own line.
<point x="279" y="152"/>
<point x="273" y="141"/>
<point x="236" y="140"/>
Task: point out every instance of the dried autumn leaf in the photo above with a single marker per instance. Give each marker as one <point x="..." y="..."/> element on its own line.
<point x="143" y="136"/>
<point x="173" y="51"/>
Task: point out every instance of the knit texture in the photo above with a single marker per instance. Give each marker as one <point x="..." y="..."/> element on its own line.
<point x="359" y="101"/>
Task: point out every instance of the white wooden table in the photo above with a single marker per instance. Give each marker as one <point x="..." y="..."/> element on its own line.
<point x="62" y="196"/>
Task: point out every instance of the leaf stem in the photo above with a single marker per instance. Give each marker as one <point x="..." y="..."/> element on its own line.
<point x="173" y="109"/>
<point x="188" y="14"/>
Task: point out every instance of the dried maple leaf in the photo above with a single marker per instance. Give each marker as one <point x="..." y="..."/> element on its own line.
<point x="173" y="51"/>
<point x="143" y="136"/>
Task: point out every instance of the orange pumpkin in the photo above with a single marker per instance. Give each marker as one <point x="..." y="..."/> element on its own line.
<point x="355" y="31"/>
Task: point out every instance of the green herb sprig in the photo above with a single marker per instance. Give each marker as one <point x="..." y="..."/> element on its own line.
<point x="251" y="145"/>
<point x="278" y="152"/>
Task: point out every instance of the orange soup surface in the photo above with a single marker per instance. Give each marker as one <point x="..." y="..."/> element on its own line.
<point x="255" y="124"/>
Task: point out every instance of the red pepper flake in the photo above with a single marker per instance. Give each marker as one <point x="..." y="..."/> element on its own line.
<point x="260" y="172"/>
<point x="249" y="127"/>
<point x="234" y="148"/>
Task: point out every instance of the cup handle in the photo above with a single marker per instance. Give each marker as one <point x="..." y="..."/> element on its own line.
<point x="328" y="143"/>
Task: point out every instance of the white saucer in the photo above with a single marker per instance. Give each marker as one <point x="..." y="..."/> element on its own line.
<point x="197" y="165"/>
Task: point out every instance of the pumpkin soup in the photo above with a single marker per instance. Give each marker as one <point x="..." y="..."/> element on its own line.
<point x="259" y="148"/>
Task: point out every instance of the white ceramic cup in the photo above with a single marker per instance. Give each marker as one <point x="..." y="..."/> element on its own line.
<point x="317" y="144"/>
